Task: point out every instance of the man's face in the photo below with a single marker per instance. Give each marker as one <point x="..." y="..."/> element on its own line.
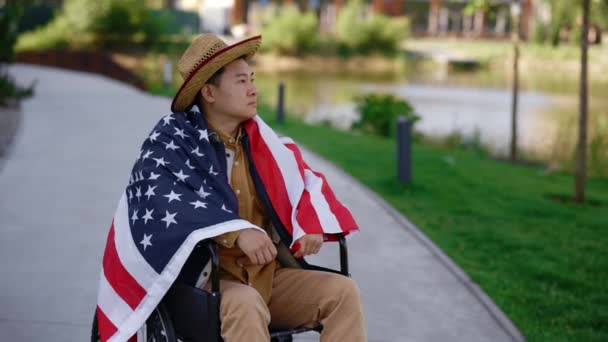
<point x="236" y="95"/>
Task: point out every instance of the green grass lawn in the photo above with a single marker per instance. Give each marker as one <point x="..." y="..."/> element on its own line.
<point x="544" y="262"/>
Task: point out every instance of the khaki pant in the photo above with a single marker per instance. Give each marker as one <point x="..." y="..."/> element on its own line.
<point x="300" y="298"/>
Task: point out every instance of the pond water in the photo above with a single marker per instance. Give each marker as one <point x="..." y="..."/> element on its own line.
<point x="468" y="103"/>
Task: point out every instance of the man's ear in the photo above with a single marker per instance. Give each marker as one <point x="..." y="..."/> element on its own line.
<point x="208" y="93"/>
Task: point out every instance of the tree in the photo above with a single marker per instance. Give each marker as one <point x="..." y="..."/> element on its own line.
<point x="581" y="149"/>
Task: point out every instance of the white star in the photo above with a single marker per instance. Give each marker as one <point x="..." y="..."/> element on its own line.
<point x="146" y="241"/>
<point x="154" y="176"/>
<point x="148" y="216"/>
<point x="161" y="161"/>
<point x="169" y="218"/>
<point x="173" y="196"/>
<point x="153" y="136"/>
<point x="167" y="119"/>
<point x="199" y="204"/>
<point x="179" y="132"/>
<point x="189" y="165"/>
<point x="138" y="192"/>
<point x="147" y="155"/>
<point x="181" y="176"/>
<point x="204" y="134"/>
<point x="211" y="171"/>
<point x="224" y="208"/>
<point x="171" y="146"/>
<point x="150" y="191"/>
<point x="134" y="217"/>
<point x="130" y="194"/>
<point x="197" y="152"/>
<point x="141" y="175"/>
<point x="201" y="192"/>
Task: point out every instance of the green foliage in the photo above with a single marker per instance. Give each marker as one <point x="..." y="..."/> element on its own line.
<point x="9" y="20"/>
<point x="379" y="114"/>
<point x="291" y="32"/>
<point x="9" y="91"/>
<point x="375" y="33"/>
<point x="82" y="23"/>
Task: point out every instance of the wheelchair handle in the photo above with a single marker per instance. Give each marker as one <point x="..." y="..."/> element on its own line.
<point x="343" y="255"/>
<point x="215" y="265"/>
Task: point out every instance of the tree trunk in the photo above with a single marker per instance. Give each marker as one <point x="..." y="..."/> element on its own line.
<point x="581" y="150"/>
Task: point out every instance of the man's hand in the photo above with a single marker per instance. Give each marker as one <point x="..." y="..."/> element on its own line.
<point x="257" y="246"/>
<point x="309" y="244"/>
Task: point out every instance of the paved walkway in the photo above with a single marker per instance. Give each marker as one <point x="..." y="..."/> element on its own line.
<point x="77" y="141"/>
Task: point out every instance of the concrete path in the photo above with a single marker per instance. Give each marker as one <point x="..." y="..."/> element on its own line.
<point x="73" y="152"/>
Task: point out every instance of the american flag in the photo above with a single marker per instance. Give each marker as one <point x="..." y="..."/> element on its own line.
<point x="178" y="194"/>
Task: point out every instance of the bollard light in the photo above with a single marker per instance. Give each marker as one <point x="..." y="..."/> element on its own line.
<point x="404" y="148"/>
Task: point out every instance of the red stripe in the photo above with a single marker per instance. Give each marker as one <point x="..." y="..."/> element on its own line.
<point x="118" y="277"/>
<point x="105" y="326"/>
<point x="343" y="215"/>
<point x="270" y="174"/>
<point x="307" y="215"/>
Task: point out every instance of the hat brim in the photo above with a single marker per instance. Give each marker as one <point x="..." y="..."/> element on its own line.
<point x="186" y="94"/>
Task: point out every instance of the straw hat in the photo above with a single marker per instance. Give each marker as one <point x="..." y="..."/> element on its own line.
<point x="204" y="57"/>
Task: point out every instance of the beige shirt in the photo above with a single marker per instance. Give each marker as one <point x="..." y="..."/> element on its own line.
<point x="234" y="264"/>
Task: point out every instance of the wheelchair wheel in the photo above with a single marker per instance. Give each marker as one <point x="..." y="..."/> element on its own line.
<point x="158" y="327"/>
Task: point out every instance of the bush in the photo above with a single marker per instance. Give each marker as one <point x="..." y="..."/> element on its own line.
<point x="379" y="113"/>
<point x="374" y="33"/>
<point x="291" y="32"/>
<point x="82" y="23"/>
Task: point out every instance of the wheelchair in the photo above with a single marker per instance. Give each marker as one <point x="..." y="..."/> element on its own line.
<point x="190" y="314"/>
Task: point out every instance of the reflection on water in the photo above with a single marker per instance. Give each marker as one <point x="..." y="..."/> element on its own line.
<point x="450" y="102"/>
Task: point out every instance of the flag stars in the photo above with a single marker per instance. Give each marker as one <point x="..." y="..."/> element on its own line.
<point x="171" y="146"/>
<point x="225" y="209"/>
<point x="189" y="165"/>
<point x="148" y="216"/>
<point x="180" y="132"/>
<point x="173" y="196"/>
<point x="181" y="176"/>
<point x="146" y="241"/>
<point x="153" y="136"/>
<point x="150" y="191"/>
<point x="160" y="161"/>
<point x="154" y="176"/>
<point x="202" y="193"/>
<point x="138" y="192"/>
<point x="199" y="204"/>
<point x="167" y="119"/>
<point x="197" y="152"/>
<point x="204" y="135"/>
<point x="212" y="172"/>
<point x="134" y="217"/>
<point x="169" y="218"/>
<point x="147" y="155"/>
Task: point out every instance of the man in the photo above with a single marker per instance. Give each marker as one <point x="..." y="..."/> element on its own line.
<point x="221" y="173"/>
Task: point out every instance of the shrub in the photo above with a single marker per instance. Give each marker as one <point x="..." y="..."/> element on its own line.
<point x="82" y="23"/>
<point x="378" y="114"/>
<point x="373" y="33"/>
<point x="291" y="32"/>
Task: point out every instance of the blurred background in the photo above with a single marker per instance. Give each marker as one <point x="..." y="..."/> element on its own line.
<point x="493" y="88"/>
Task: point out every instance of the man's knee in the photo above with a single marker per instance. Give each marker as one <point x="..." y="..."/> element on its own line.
<point x="343" y="288"/>
<point x="244" y="300"/>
